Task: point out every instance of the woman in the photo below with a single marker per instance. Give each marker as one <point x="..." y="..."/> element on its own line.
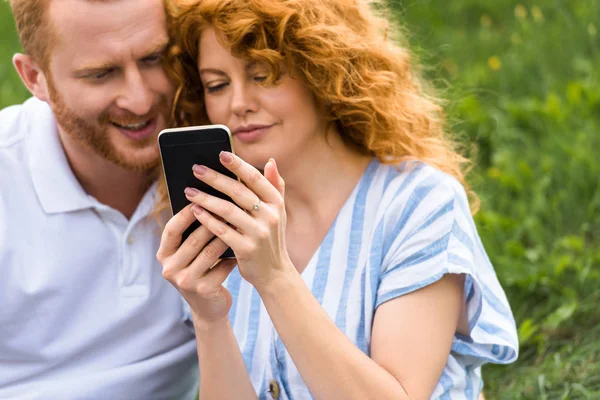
<point x="362" y="276"/>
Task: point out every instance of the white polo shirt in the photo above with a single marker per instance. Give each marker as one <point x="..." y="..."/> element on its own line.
<point x="84" y="310"/>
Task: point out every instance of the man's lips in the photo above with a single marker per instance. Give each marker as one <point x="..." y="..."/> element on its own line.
<point x="133" y="126"/>
<point x="138" y="130"/>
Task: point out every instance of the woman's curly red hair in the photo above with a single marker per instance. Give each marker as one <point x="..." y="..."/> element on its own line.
<point x="343" y="50"/>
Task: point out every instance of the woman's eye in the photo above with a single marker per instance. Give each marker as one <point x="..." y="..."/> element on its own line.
<point x="260" y="78"/>
<point x="216" y="88"/>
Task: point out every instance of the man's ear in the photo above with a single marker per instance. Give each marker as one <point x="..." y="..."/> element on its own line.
<point x="32" y="76"/>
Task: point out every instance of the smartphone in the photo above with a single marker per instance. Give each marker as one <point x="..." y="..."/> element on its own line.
<point x="180" y="149"/>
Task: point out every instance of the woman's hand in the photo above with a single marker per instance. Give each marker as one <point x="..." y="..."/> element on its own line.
<point x="257" y="219"/>
<point x="188" y="265"/>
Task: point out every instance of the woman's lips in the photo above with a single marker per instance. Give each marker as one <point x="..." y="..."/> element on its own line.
<point x="252" y="135"/>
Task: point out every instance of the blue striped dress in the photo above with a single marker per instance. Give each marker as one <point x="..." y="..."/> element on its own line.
<point x="401" y="229"/>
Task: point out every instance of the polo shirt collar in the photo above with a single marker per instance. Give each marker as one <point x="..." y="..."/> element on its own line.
<point x="57" y="188"/>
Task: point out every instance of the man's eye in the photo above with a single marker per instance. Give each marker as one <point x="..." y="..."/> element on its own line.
<point x="100" y="75"/>
<point x="216" y="88"/>
<point x="153" y="59"/>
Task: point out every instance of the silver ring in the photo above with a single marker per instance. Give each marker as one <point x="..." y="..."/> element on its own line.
<point x="256" y="207"/>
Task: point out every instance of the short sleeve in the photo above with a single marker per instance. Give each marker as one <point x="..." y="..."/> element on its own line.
<point x="431" y="233"/>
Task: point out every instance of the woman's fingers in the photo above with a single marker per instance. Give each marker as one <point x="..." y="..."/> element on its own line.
<point x="272" y="175"/>
<point x="217" y="275"/>
<point x="188" y="266"/>
<point x="201" y="283"/>
<point x="175" y="257"/>
<point x="192" y="246"/>
<point x="235" y="189"/>
<point x="227" y="210"/>
<point x="206" y="259"/>
<point x="173" y="232"/>
<point x="220" y="229"/>
<point x="251" y="177"/>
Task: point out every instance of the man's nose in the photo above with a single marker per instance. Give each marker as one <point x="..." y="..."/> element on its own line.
<point x="136" y="96"/>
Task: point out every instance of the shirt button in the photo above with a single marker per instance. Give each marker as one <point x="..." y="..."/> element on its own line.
<point x="274" y="390"/>
<point x="130" y="240"/>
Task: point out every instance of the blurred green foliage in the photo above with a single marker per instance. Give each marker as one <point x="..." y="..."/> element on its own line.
<point x="12" y="90"/>
<point x="522" y="81"/>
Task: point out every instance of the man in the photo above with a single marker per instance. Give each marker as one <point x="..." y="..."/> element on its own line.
<point x="84" y="310"/>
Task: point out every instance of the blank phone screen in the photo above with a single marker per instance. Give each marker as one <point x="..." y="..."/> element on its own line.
<point x="180" y="151"/>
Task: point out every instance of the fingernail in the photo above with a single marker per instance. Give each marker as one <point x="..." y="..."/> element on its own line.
<point x="272" y="161"/>
<point x="199" y="169"/>
<point x="196" y="209"/>
<point x="226" y="156"/>
<point x="191" y="192"/>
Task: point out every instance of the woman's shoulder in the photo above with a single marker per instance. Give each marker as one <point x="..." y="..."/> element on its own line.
<point x="415" y="189"/>
<point x="415" y="174"/>
<point x="428" y="231"/>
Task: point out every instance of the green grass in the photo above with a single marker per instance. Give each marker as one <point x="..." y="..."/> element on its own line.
<point x="522" y="81"/>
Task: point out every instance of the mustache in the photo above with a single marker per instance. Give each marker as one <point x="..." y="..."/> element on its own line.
<point x="124" y="117"/>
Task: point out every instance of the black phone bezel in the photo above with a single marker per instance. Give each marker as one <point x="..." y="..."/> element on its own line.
<point x="188" y="136"/>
